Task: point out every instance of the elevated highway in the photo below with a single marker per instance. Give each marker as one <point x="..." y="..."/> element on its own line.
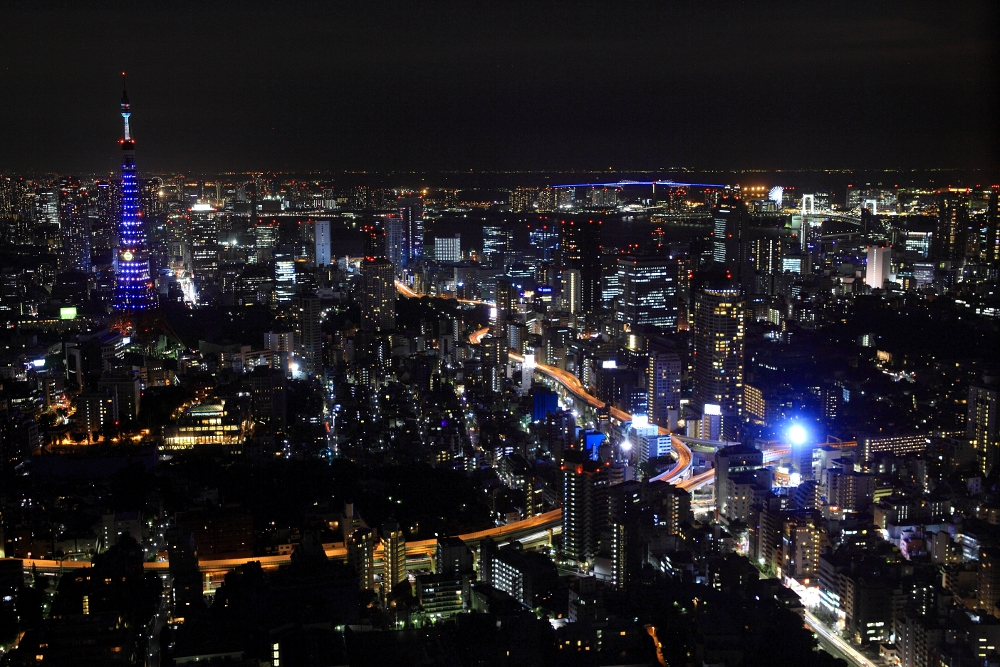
<point x="530" y="531"/>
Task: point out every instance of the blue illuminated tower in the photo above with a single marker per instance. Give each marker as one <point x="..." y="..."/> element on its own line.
<point x="133" y="284"/>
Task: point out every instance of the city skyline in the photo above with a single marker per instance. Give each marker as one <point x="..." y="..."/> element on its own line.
<point x="342" y="357"/>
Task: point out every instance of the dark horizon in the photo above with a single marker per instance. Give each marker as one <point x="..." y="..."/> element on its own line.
<point x="305" y="87"/>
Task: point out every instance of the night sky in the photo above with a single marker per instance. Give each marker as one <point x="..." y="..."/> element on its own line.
<point x="419" y="85"/>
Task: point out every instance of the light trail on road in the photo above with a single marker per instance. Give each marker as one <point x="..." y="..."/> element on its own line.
<point x="849" y="651"/>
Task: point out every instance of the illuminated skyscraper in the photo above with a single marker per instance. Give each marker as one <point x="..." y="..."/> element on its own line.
<point x="204" y="236"/>
<point x="411" y="210"/>
<point x="322" y="243"/>
<point x="133" y="285"/>
<point x="649" y="291"/>
<point x="496" y="245"/>
<point x="572" y="296"/>
<point x="663" y="399"/>
<point x="950" y="237"/>
<point x="284" y="274"/>
<point x="580" y="248"/>
<point x="877" y="269"/>
<point x="378" y="297"/>
<point x="718" y="350"/>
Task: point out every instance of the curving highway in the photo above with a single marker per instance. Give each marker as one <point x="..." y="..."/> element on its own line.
<point x="573" y="385"/>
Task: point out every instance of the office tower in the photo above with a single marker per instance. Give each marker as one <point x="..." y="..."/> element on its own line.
<point x="982" y="423"/>
<point x="663" y="397"/>
<point x="728" y="222"/>
<point x="649" y="291"/>
<point x="378" y="296"/>
<point x="728" y="462"/>
<point x="580" y="248"/>
<point x="718" y="355"/>
<point x="361" y="556"/>
<point x="877" y="268"/>
<point x="395" y="241"/>
<point x="448" y="248"/>
<point x="322" y="234"/>
<point x="411" y="210"/>
<point x="585" y="488"/>
<point x="393" y="557"/>
<point x="133" y="285"/>
<point x="952" y="226"/>
<point x="572" y="291"/>
<point x="496" y="245"/>
<point x="309" y="333"/>
<point x="284" y="274"/>
<point x="265" y="236"/>
<point x="47" y="207"/>
<point x="204" y="238"/>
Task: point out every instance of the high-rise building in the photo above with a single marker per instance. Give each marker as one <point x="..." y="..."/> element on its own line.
<point x="496" y="245"/>
<point x="731" y="220"/>
<point x="523" y="199"/>
<point x="877" y="268"/>
<point x="361" y="556"/>
<point x="395" y="241"/>
<point x="393" y="557"/>
<point x="495" y="359"/>
<point x="649" y="291"/>
<point x="133" y="284"/>
<point x="284" y="274"/>
<point x="625" y="504"/>
<point x="572" y="291"/>
<point x="982" y="423"/>
<point x="952" y="226"/>
<point x="75" y="228"/>
<point x="308" y="333"/>
<point x="585" y="514"/>
<point x="507" y="295"/>
<point x="322" y="234"/>
<point x="728" y="462"/>
<point x="580" y="248"/>
<point x="204" y="237"/>
<point x="718" y="355"/>
<point x="378" y="296"/>
<point x="411" y="210"/>
<point x="663" y="397"/>
<point x="448" y="248"/>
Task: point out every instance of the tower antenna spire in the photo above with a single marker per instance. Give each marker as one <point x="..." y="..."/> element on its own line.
<point x="125" y="110"/>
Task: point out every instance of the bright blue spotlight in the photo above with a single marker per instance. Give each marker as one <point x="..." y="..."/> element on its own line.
<point x="797" y="434"/>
